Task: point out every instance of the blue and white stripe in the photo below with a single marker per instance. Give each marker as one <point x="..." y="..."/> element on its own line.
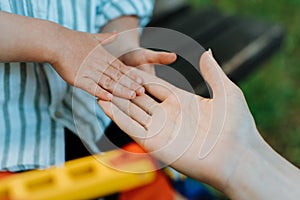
<point x="36" y="104"/>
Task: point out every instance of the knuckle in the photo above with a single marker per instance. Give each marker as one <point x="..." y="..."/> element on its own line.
<point x="107" y="83"/>
<point x="124" y="90"/>
<point x="100" y="93"/>
<point x="124" y="68"/>
<point x="92" y="88"/>
<point x="131" y="75"/>
<point x="134" y="85"/>
<point x="118" y="75"/>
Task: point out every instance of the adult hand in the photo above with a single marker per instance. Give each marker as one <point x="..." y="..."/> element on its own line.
<point x="203" y="138"/>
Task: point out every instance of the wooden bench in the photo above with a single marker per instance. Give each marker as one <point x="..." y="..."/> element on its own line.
<point x="239" y="44"/>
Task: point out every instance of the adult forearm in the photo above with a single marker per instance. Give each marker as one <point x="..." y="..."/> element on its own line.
<point x="264" y="174"/>
<point x="25" y="39"/>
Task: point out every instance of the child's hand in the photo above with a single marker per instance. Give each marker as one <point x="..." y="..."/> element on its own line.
<point x="84" y="63"/>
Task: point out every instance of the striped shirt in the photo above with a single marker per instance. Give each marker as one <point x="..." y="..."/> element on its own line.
<point x="36" y="105"/>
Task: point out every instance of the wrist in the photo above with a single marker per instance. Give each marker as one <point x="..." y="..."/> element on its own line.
<point x="65" y="44"/>
<point x="251" y="157"/>
<point x="263" y="174"/>
<point x="128" y="39"/>
<point x="227" y="162"/>
<point x="126" y="42"/>
<point x="54" y="44"/>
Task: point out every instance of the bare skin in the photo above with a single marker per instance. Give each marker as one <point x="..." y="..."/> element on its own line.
<point x="78" y="57"/>
<point x="128" y="41"/>
<point x="212" y="140"/>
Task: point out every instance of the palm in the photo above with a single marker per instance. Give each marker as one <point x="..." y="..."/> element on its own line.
<point x="196" y="135"/>
<point x="167" y="130"/>
<point x="185" y="130"/>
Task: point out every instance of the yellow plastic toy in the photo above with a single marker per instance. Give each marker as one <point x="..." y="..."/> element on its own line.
<point x="85" y="178"/>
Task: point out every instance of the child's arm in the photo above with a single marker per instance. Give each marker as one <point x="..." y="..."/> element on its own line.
<point x="127" y="17"/>
<point x="78" y="57"/>
<point x="26" y="39"/>
<point x="127" y="45"/>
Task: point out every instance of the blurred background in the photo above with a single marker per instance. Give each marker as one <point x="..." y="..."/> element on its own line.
<point x="273" y="89"/>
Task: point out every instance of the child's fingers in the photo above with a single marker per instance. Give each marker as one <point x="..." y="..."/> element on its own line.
<point x="116" y="88"/>
<point x="124" y="80"/>
<point x="114" y="78"/>
<point x="128" y="71"/>
<point x="155" y="86"/>
<point x="94" y="89"/>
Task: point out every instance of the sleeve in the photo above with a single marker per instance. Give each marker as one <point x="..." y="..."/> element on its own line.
<point x="111" y="9"/>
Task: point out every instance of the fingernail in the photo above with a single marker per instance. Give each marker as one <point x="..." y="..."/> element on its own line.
<point x="132" y="94"/>
<point x="141" y="90"/>
<point x="210" y="52"/>
<point x="109" y="96"/>
<point x="139" y="80"/>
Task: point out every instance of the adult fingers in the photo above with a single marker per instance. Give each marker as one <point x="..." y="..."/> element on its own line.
<point x="213" y="74"/>
<point x="160" y="90"/>
<point x="125" y="122"/>
<point x="133" y="111"/>
<point x="156" y="87"/>
<point x="146" y="103"/>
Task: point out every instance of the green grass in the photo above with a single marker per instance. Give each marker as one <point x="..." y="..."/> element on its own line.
<point x="273" y="90"/>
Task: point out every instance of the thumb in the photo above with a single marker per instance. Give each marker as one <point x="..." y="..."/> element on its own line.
<point x="106" y="38"/>
<point x="155" y="57"/>
<point x="213" y="74"/>
<point x="145" y="56"/>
